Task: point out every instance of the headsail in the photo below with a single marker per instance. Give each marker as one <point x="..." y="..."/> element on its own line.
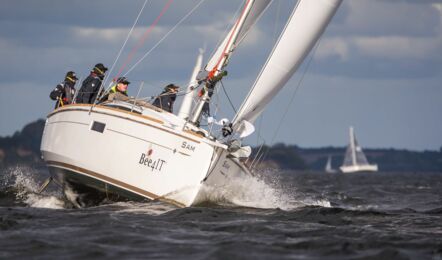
<point x="306" y="24"/>
<point x="257" y="9"/>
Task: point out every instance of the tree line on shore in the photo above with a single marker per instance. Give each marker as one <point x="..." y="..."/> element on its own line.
<point x="23" y="147"/>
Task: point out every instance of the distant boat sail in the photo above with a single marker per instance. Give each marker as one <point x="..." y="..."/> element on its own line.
<point x="355" y="160"/>
<point x="328" y="166"/>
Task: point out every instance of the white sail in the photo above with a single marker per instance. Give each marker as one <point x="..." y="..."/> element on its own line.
<point x="186" y="106"/>
<point x="354" y="154"/>
<point x="257" y="9"/>
<point x="355" y="159"/>
<point x="306" y="24"/>
<point x="328" y="166"/>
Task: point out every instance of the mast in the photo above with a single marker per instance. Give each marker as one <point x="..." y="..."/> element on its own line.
<point x="216" y="72"/>
<point x="186" y="106"/>
<point x="352" y="146"/>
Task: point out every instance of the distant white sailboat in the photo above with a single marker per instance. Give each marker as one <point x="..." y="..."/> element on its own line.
<point x="355" y="160"/>
<point x="328" y="166"/>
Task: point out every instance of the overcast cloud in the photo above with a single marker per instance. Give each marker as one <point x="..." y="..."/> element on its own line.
<point x="378" y="67"/>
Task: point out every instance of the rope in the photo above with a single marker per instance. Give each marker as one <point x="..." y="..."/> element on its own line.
<point x="164" y="37"/>
<point x="125" y="42"/>
<point x="228" y="98"/>
<point x="144" y="37"/>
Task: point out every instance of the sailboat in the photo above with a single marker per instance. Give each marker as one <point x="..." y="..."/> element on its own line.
<point x="131" y="149"/>
<point x="355" y="160"/>
<point x="328" y="166"/>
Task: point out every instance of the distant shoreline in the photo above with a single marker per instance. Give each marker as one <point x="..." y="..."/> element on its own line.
<point x="24" y="148"/>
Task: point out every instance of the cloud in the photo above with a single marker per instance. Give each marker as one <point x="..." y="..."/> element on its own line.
<point x="333" y="47"/>
<point x="399" y="18"/>
<point x="399" y="47"/>
<point x="370" y="42"/>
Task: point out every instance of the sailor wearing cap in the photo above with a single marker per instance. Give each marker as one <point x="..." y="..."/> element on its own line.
<point x="65" y="91"/>
<point x="166" y="99"/>
<point x="91" y="85"/>
<point x="120" y="86"/>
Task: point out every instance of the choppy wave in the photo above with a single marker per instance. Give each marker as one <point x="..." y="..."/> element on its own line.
<point x="258" y="192"/>
<point x="277" y="215"/>
<point x="20" y="185"/>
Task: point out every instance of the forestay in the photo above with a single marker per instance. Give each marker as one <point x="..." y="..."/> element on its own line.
<point x="304" y="27"/>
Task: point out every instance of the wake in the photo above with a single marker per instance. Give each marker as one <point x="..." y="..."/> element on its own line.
<point x="264" y="190"/>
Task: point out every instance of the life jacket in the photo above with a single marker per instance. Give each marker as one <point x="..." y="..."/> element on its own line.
<point x="115" y="90"/>
<point x="69" y="91"/>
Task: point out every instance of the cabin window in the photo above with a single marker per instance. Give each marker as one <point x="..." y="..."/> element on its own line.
<point x="97" y="126"/>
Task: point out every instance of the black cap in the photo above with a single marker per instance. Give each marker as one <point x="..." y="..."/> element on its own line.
<point x="123" y="80"/>
<point x="71" y="75"/>
<point x="100" y="68"/>
<point x="171" y="86"/>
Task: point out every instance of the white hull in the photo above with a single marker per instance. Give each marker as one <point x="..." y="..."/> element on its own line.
<point x="147" y="155"/>
<point x="359" y="168"/>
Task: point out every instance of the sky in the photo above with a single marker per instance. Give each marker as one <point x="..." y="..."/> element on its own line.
<point x="378" y="66"/>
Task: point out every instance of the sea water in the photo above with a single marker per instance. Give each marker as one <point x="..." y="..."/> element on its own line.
<point x="271" y="215"/>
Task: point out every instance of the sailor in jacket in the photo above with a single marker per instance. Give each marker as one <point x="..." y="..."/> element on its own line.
<point x="91" y="85"/>
<point x="166" y="99"/>
<point x="120" y="87"/>
<point x="65" y="91"/>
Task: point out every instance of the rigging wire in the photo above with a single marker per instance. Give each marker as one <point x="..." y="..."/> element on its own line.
<point x="291" y="100"/>
<point x="164" y="37"/>
<point x="144" y="37"/>
<point x="228" y="98"/>
<point x="125" y="42"/>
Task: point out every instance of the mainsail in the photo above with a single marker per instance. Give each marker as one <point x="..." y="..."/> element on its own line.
<point x="354" y="154"/>
<point x="186" y="106"/>
<point x="306" y="24"/>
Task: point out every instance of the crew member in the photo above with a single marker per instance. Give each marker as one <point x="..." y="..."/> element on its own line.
<point x="91" y="85"/>
<point x="120" y="87"/>
<point x="65" y="91"/>
<point x="166" y="99"/>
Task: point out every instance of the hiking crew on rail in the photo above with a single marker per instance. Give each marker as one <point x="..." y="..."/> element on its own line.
<point x="65" y="91"/>
<point x="91" y="85"/>
<point x="88" y="93"/>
